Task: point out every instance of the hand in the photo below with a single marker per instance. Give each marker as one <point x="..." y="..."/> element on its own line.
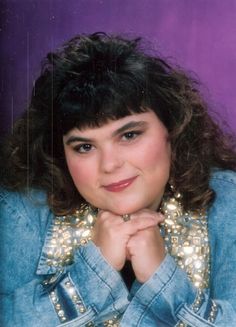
<point x="111" y="234"/>
<point x="146" y="248"/>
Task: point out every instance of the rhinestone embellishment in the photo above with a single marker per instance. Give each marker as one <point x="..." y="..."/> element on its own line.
<point x="185" y="235"/>
<point x="68" y="233"/>
<point x="186" y="239"/>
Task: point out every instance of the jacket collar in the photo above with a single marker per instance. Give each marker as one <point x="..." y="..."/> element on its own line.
<point x="64" y="235"/>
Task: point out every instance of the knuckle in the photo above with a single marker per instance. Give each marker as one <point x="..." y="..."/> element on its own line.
<point x="102" y="216"/>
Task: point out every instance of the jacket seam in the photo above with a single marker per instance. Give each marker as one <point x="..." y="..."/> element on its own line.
<point x="156" y="296"/>
<point x="108" y="286"/>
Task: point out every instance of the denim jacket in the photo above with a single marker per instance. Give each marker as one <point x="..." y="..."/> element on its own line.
<point x="90" y="292"/>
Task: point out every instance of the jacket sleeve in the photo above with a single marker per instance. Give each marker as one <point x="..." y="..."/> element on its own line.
<point x="169" y="298"/>
<point x="86" y="293"/>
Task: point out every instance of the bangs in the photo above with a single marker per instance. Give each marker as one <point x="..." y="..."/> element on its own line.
<point x="91" y="106"/>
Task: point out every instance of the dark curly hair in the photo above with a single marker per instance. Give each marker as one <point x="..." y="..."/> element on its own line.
<point x="99" y="77"/>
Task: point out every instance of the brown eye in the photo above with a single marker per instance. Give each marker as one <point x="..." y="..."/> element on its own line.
<point x="83" y="148"/>
<point x="128" y="136"/>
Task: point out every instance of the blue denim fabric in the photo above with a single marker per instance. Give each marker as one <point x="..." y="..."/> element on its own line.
<point x="166" y="299"/>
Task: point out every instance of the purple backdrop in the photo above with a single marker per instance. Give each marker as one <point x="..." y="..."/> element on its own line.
<point x="198" y="34"/>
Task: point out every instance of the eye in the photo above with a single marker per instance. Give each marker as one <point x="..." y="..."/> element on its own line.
<point x="83" y="148"/>
<point x="128" y="136"/>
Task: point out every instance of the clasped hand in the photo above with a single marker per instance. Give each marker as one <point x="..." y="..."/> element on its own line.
<point x="137" y="240"/>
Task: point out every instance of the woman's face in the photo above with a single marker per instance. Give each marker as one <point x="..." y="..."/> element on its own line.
<point x="122" y="166"/>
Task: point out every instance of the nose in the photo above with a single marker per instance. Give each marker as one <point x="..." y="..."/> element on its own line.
<point x="110" y="159"/>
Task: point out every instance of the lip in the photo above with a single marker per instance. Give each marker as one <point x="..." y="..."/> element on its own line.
<point x="121" y="185"/>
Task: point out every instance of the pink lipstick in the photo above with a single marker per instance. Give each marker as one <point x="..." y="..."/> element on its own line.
<point x="119" y="186"/>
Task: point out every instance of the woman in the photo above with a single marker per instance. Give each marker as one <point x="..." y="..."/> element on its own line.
<point x="118" y="197"/>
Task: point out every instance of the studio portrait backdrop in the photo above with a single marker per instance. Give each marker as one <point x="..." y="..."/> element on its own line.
<point x="198" y="35"/>
<point x="118" y="172"/>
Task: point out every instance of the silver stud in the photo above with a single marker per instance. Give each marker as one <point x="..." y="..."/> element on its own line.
<point x="82" y="309"/>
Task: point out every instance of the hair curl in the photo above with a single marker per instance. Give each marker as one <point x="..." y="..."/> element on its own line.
<point x="99" y="77"/>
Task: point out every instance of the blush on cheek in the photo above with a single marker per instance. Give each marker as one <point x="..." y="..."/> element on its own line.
<point x="157" y="153"/>
<point x="74" y="170"/>
<point x="81" y="174"/>
<point x="76" y="175"/>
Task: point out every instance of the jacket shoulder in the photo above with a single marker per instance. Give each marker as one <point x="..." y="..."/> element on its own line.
<point x="24" y="217"/>
<point x="27" y="208"/>
<point x="24" y="202"/>
<point x="223" y="182"/>
<point x="222" y="212"/>
<point x="223" y="177"/>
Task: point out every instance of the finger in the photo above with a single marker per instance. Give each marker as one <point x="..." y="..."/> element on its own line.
<point x="134" y="225"/>
<point x="107" y="217"/>
<point x="144" y="214"/>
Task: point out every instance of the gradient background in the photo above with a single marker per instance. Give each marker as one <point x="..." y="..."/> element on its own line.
<point x="200" y="35"/>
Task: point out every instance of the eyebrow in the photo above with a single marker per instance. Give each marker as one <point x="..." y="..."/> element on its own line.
<point x="131" y="124"/>
<point x="74" y="139"/>
<point x="122" y="129"/>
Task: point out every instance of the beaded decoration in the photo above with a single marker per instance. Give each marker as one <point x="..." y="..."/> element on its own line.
<point x="185" y="235"/>
<point x="68" y="233"/>
<point x="186" y="239"/>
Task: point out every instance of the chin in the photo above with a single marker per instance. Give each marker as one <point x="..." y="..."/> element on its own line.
<point x="126" y="208"/>
<point x="132" y="208"/>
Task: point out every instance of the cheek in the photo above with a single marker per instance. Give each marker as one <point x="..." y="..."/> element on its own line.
<point x="79" y="171"/>
<point x="156" y="155"/>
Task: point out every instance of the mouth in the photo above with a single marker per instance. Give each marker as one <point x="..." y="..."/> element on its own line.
<point x="120" y="186"/>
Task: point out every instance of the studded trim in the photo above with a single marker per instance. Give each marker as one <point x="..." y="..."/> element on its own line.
<point x="57" y="306"/>
<point x="67" y="234"/>
<point x="113" y="322"/>
<point x="186" y="239"/>
<point x="185" y="235"/>
<point x="67" y="287"/>
<point x="213" y="312"/>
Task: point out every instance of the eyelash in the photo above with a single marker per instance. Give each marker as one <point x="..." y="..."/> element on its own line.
<point x="81" y="148"/>
<point x="134" y="134"/>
